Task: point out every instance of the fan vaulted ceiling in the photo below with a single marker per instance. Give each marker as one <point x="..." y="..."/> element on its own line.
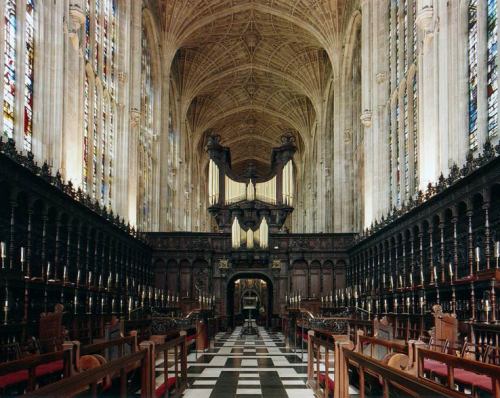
<point x="250" y="70"/>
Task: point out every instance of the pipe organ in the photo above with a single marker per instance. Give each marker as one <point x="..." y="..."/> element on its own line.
<point x="288" y="186"/>
<point x="235" y="191"/>
<point x="213" y="183"/>
<point x="236" y="234"/>
<point x="266" y="191"/>
<point x="264" y="234"/>
<point x="251" y="203"/>
<point x="250" y="238"/>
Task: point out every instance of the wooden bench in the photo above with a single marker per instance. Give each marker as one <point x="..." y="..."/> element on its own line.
<point x="381" y="348"/>
<point x="27" y="371"/>
<point x="320" y="355"/>
<point x="391" y="379"/>
<point x="91" y="379"/>
<point x="478" y="375"/>
<point x="105" y="349"/>
<point x="173" y="384"/>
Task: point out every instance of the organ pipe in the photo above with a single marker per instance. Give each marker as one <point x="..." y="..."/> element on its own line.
<point x="264" y="234"/>
<point x="288" y="183"/>
<point x="266" y="191"/>
<point x="251" y="191"/>
<point x="249" y="239"/>
<point x="213" y="182"/>
<point x="236" y="234"/>
<point x="235" y="191"/>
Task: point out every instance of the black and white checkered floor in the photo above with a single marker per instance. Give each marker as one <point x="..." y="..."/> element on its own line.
<point x="247" y="366"/>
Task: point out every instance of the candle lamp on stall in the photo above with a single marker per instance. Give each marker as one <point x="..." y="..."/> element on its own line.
<point x="486" y="310"/>
<point x="22" y="260"/>
<point x="3" y="253"/>
<point x="497" y="252"/>
<point x="478" y="258"/>
<point x="6" y="306"/>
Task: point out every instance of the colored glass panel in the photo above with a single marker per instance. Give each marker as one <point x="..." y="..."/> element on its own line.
<point x="492" y="78"/>
<point x="86" y="133"/>
<point x="9" y="91"/>
<point x="472" y="56"/>
<point x="28" y="74"/>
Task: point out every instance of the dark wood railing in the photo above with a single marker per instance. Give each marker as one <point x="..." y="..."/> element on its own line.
<point x="33" y="365"/>
<point x="392" y="379"/>
<point x="90" y="379"/>
<point x="179" y="376"/>
<point x="451" y="362"/>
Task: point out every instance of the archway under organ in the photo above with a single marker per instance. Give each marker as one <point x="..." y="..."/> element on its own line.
<point x="243" y="286"/>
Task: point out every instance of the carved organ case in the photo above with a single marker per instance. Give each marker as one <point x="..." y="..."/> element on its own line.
<point x="251" y="204"/>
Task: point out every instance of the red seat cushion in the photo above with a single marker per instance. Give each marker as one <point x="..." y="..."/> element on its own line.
<point x="469" y="378"/>
<point x="13" y="378"/>
<point x="436" y="367"/>
<point x="484" y="383"/>
<point x="168" y="386"/>
<point x="322" y="381"/>
<point x="191" y="338"/>
<point x="49" y="368"/>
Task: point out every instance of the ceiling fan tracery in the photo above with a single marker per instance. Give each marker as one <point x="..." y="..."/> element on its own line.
<point x="252" y="68"/>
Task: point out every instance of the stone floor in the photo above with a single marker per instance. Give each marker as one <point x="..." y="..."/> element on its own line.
<point x="247" y="366"/>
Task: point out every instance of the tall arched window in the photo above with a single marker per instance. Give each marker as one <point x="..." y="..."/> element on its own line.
<point x="29" y="58"/>
<point x="10" y="58"/>
<point x="18" y="61"/>
<point x="146" y="137"/>
<point x="492" y="81"/>
<point x="403" y="101"/>
<point x="99" y="99"/>
<point x="479" y="78"/>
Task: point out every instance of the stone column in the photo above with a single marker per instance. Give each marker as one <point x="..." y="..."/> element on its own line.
<point x="369" y="41"/>
<point x="164" y="169"/>
<point x="427" y="88"/>
<point x="74" y="72"/>
<point x="130" y="144"/>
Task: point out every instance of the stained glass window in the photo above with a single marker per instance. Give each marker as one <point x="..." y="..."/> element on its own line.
<point x="398" y="156"/>
<point x="415" y="134"/>
<point x="473" y="48"/>
<point x="97" y="35"/>
<point x="28" y="73"/>
<point x="397" y="37"/>
<point x="95" y="139"/>
<point x="402" y="55"/>
<point x="492" y="89"/>
<point x="100" y="54"/>
<point x="103" y="160"/>
<point x="86" y="133"/>
<point x="146" y="135"/>
<point x="406" y="160"/>
<point x="9" y="89"/>
<point x="87" y="29"/>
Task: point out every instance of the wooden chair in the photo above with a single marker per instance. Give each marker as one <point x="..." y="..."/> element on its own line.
<point x="51" y="332"/>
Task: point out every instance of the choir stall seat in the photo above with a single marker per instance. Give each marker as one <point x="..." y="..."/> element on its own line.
<point x="49" y="368"/>
<point x="27" y="372"/>
<point x="474" y="380"/>
<point x="14" y="378"/>
<point x="331" y="384"/>
<point x="169" y="386"/>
